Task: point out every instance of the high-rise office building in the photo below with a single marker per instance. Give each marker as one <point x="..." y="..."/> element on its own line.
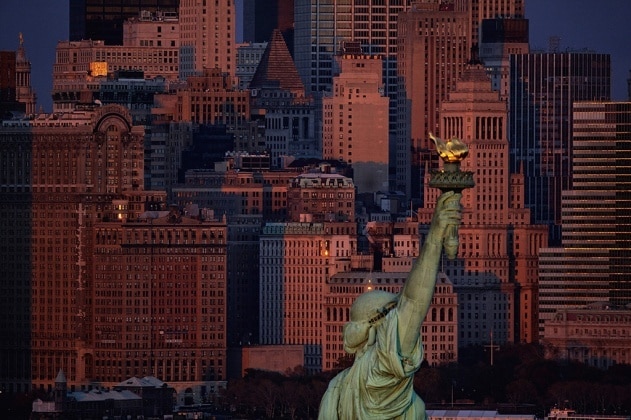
<point x="208" y="36"/>
<point x="81" y="67"/>
<point x="249" y="56"/>
<point x="499" y="38"/>
<point x="321" y="26"/>
<point x="212" y="98"/>
<point x="479" y="10"/>
<point x="64" y="173"/>
<point x="543" y="87"/>
<point x="593" y="263"/>
<point x="320" y="197"/>
<point x="279" y="102"/>
<point x="104" y="19"/>
<point x="355" y="121"/>
<point x="158" y="305"/>
<point x="495" y="273"/>
<point x="296" y="259"/>
<point x="434" y="47"/>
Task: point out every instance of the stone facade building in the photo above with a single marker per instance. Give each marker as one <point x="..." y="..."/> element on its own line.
<point x="598" y="335"/>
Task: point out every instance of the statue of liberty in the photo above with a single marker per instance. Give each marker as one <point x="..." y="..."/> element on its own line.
<point x="384" y="332"/>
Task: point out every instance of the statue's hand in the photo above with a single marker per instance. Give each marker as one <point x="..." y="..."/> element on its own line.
<point x="448" y="210"/>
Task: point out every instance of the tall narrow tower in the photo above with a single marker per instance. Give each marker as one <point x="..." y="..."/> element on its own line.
<point x="24" y="92"/>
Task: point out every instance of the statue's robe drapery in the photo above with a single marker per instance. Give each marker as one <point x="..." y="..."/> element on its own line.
<point x="379" y="384"/>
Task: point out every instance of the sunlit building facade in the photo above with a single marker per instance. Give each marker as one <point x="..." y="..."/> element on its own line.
<point x="159" y="301"/>
<point x="598" y="335"/>
<point x="81" y="66"/>
<point x="439" y="332"/>
<point x="319" y="197"/>
<point x="107" y="283"/>
<point x="355" y="121"/>
<point x="208" y="36"/>
<point x="295" y="261"/>
<point x="495" y="272"/>
<point x="433" y="48"/>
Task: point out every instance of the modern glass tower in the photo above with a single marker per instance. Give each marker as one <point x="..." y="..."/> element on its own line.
<point x="593" y="263"/>
<point x="543" y="87"/>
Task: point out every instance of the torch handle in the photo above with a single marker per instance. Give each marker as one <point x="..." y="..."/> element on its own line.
<point x="450" y="241"/>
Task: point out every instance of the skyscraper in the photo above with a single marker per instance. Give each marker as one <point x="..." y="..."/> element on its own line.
<point x="479" y="10"/>
<point x="104" y="19"/>
<point x="296" y="259"/>
<point x="322" y="25"/>
<point x="207" y="36"/>
<point x="278" y="98"/>
<point x="593" y="263"/>
<point x="543" y="87"/>
<point x="62" y="174"/>
<point x="495" y="274"/>
<point x="355" y="122"/>
<point x="434" y="47"/>
<point x="499" y="39"/>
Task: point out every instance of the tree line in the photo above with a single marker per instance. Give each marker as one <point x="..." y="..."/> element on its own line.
<point x="520" y="380"/>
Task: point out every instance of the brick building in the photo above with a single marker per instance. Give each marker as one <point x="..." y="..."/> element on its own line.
<point x="439" y="332"/>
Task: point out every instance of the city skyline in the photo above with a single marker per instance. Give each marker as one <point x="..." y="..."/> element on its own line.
<point x="43" y="24"/>
<point x="162" y="219"/>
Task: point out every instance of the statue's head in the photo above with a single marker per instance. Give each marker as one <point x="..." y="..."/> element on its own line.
<point x="366" y="313"/>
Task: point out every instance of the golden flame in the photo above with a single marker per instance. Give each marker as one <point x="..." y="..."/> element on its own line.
<point x="453" y="150"/>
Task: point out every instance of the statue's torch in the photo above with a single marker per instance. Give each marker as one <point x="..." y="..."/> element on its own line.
<point x="451" y="178"/>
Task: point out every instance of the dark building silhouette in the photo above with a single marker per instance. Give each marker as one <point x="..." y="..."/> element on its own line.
<point x="210" y="144"/>
<point x="543" y="87"/>
<point x="16" y="93"/>
<point x="103" y="19"/>
<point x="7" y="83"/>
<point x="261" y="17"/>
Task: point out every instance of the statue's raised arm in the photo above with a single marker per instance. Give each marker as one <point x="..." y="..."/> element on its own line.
<point x="384" y="331"/>
<point x="384" y="335"/>
<point x="418" y="290"/>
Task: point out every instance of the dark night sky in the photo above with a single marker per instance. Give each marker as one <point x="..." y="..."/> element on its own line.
<point x="598" y="25"/>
